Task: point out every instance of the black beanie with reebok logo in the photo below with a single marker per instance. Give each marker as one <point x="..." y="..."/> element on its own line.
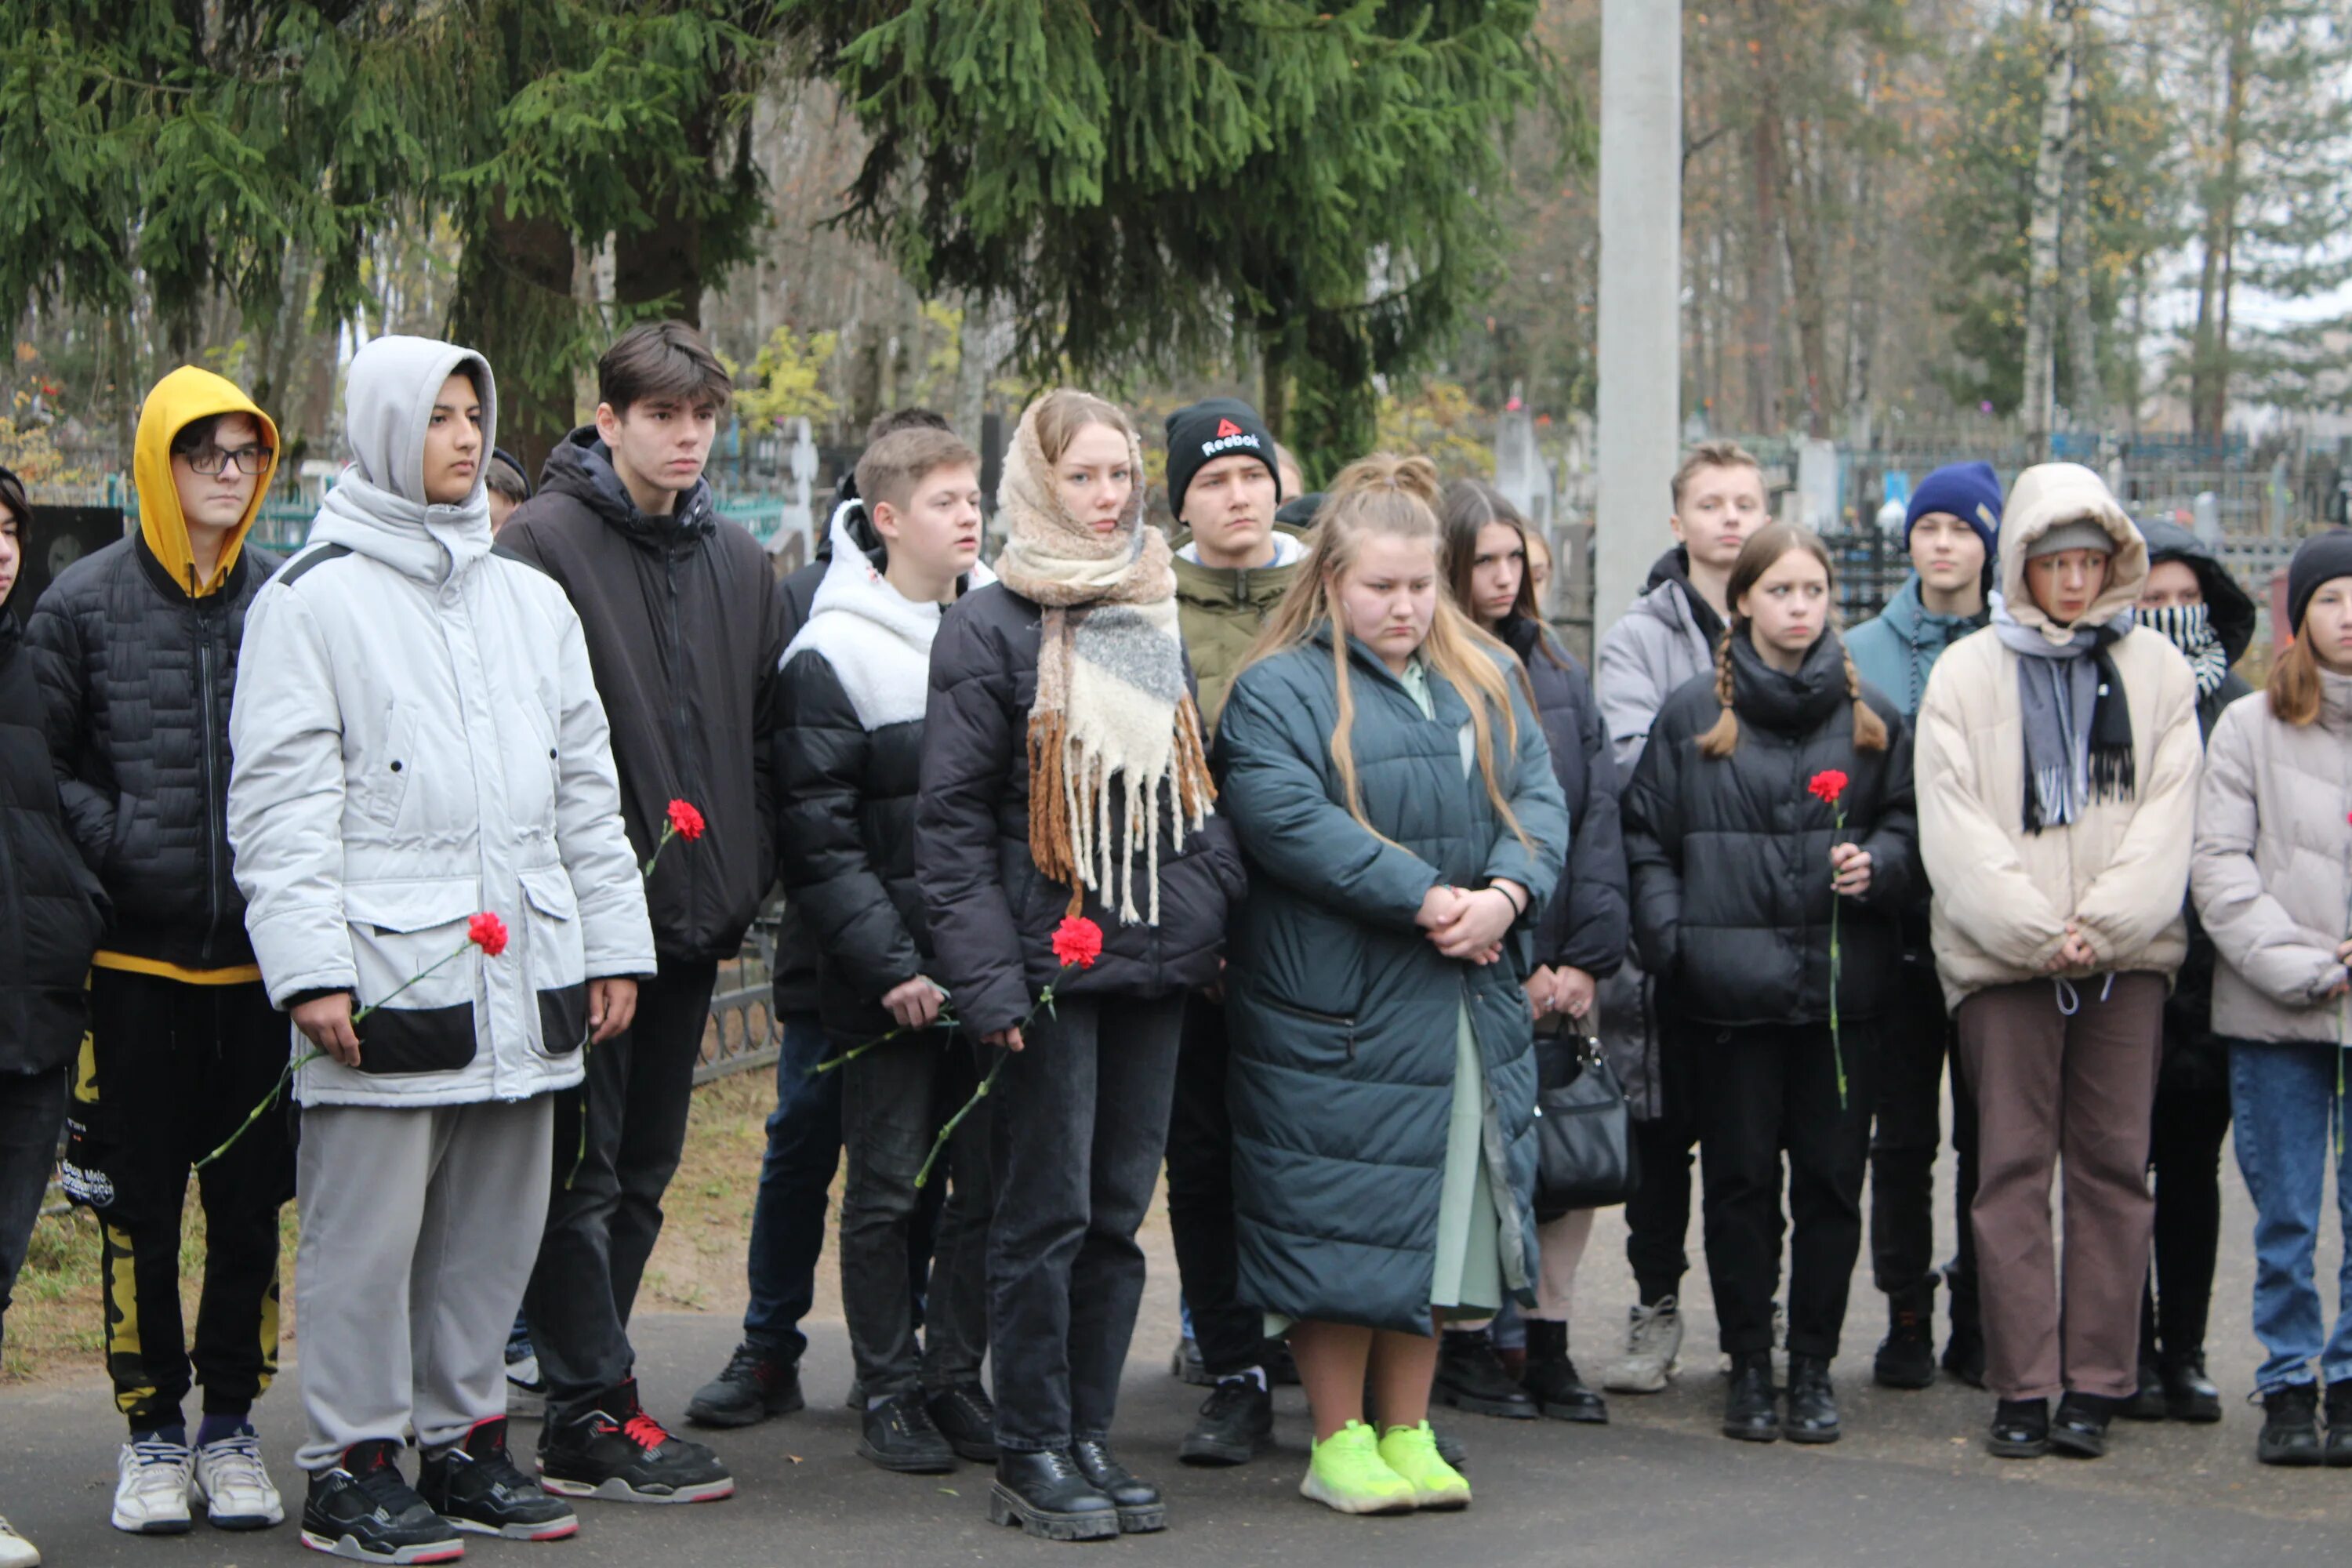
<point x="1201" y="433"/>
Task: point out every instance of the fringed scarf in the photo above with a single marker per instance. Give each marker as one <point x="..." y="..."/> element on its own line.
<point x="2077" y="721"/>
<point x="1113" y="713"/>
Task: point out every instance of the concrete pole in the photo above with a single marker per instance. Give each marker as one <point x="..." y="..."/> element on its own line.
<point x="1640" y="393"/>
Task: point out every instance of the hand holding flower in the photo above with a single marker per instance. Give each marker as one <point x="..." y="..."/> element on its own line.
<point x="1850" y="863"/>
<point x="326" y="1023"/>
<point x="612" y="1008"/>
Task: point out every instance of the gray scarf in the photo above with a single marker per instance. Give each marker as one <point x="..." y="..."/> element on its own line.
<point x="2078" y="734"/>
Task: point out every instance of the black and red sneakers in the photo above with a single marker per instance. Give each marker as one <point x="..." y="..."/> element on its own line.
<point x="618" y="1453"/>
<point x="476" y="1486"/>
<point x="363" y="1510"/>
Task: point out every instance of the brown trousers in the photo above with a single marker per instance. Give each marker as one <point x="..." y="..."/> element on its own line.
<point x="2082" y="1085"/>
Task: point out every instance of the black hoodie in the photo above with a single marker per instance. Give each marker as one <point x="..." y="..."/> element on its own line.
<point x="685" y="629"/>
<point x="2230" y="607"/>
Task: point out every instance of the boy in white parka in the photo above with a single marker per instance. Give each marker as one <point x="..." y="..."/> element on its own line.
<point x="418" y="739"/>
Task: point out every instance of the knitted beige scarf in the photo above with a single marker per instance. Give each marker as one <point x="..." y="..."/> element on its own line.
<point x="1112" y="703"/>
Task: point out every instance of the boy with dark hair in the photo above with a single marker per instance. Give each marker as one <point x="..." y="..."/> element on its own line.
<point x="849" y="747"/>
<point x="761" y="1378"/>
<point x="50" y="917"/>
<point x="684" y="633"/>
<point x="138" y="647"/>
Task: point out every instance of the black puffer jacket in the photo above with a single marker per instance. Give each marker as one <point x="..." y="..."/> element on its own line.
<point x="685" y="629"/>
<point x="849" y="748"/>
<point x="1585" y="923"/>
<point x="1730" y="856"/>
<point x="51" y="909"/>
<point x="992" y="913"/>
<point x="137" y="677"/>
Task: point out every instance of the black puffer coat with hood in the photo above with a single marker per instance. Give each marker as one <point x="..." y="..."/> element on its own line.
<point x="1730" y="854"/>
<point x="684" y="632"/>
<point x="1585" y="923"/>
<point x="138" y="664"/>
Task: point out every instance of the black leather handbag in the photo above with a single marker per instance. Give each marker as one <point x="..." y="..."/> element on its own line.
<point x="1584" y="1134"/>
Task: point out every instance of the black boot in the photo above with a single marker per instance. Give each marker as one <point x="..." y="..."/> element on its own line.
<point x="2188" y="1394"/>
<point x="899" y="1436"/>
<point x="1551" y="1381"/>
<point x="2079" y="1429"/>
<point x="1964" y="1352"/>
<point x="1748" y="1411"/>
<point x="1050" y="1497"/>
<point x="1141" y="1511"/>
<point x="1812" y="1403"/>
<point x="2021" y="1429"/>
<point x="2339" y="1424"/>
<point x="2290" y="1434"/>
<point x="1469" y="1377"/>
<point x="2146" y="1403"/>
<point x="1907" y="1356"/>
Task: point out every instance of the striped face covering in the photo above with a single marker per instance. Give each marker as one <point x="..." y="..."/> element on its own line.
<point x="2189" y="628"/>
<point x="1114" y="738"/>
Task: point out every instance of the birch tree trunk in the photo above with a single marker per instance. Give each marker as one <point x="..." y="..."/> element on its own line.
<point x="2041" y="289"/>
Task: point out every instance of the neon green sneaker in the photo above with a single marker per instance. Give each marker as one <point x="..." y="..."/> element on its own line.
<point x="1412" y="1453"/>
<point x="1347" y="1475"/>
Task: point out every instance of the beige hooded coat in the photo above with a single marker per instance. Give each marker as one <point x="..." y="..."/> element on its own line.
<point x="2119" y="872"/>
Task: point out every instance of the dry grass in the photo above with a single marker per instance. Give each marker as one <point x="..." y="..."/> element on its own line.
<point x="55" y="1323"/>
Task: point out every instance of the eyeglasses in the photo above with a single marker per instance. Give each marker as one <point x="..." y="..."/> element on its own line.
<point x="212" y="461"/>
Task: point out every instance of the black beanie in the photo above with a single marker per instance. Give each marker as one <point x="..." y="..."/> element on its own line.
<point x="2321" y="559"/>
<point x="1202" y="432"/>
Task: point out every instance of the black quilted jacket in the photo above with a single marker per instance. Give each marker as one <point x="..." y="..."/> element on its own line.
<point x="50" y="909"/>
<point x="136" y="679"/>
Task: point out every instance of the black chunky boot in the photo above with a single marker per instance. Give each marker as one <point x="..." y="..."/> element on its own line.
<point x="1748" y="1411"/>
<point x="2290" y="1434"/>
<point x="1049" y="1496"/>
<point x="1907" y="1356"/>
<point x="1551" y="1381"/>
<point x="1470" y="1377"/>
<point x="2146" y="1403"/>
<point x="2339" y="1424"/>
<point x="2021" y="1429"/>
<point x="1812" y="1403"/>
<point x="1140" y="1509"/>
<point x="2188" y="1394"/>
<point x="2079" y="1429"/>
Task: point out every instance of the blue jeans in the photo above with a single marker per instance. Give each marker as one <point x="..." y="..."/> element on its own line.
<point x="788" y="1216"/>
<point x="2282" y="1095"/>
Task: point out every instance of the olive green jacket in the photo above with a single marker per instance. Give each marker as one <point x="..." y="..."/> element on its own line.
<point x="1221" y="610"/>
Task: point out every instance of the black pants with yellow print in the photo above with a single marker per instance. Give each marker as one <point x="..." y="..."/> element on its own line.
<point x="168" y="1072"/>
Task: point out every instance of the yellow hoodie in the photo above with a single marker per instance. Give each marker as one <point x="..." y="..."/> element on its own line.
<point x="178" y="401"/>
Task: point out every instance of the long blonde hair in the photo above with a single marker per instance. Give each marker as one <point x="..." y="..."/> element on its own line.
<point x="1395" y="497"/>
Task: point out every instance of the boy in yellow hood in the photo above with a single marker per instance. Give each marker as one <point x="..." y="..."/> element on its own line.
<point x="137" y="649"/>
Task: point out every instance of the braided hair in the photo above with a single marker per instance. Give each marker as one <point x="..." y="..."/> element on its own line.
<point x="1757" y="556"/>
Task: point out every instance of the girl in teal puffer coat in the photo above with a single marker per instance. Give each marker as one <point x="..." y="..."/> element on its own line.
<point x="1395" y="800"/>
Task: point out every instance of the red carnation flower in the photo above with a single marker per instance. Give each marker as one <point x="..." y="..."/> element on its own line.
<point x="685" y="820"/>
<point x="489" y="933"/>
<point x="1827" y="786"/>
<point x="1078" y="941"/>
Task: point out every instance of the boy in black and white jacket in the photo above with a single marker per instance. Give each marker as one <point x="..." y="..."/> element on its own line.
<point x="849" y="747"/>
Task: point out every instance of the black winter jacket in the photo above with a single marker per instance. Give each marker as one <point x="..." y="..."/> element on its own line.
<point x="1730" y="856"/>
<point x="1585" y="923"/>
<point x="992" y="913"/>
<point x="685" y="629"/>
<point x="136" y="677"/>
<point x="51" y="909"/>
<point x="794" y="972"/>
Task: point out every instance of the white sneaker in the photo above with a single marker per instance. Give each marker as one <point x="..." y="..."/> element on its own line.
<point x="15" y="1552"/>
<point x="233" y="1487"/>
<point x="151" y="1488"/>
<point x="1654" y="1342"/>
<point x="526" y="1389"/>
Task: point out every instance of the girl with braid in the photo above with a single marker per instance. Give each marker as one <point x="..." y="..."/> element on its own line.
<point x="1769" y="835"/>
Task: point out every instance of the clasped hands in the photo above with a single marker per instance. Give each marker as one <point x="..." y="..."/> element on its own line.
<point x="1469" y="924"/>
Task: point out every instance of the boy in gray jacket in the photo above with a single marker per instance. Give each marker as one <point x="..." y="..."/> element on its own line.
<point x="419" y="747"/>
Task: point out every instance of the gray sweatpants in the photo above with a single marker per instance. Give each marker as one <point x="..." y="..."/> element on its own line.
<point x="419" y="1230"/>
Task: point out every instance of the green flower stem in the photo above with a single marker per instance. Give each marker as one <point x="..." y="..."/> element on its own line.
<point x="1044" y="1004"/>
<point x="946" y="1020"/>
<point x="1837" y="1043"/>
<point x="668" y="833"/>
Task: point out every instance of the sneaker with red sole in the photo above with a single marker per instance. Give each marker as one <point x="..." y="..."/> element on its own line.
<point x="618" y="1453"/>
<point x="476" y="1486"/>
<point x="362" y="1510"/>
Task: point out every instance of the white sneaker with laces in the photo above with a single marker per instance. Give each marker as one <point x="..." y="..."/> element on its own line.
<point x="151" y="1488"/>
<point x="233" y="1487"/>
<point x="1653" y="1344"/>
<point x="15" y="1552"/>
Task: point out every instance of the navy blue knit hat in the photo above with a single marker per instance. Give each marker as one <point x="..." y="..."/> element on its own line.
<point x="1969" y="491"/>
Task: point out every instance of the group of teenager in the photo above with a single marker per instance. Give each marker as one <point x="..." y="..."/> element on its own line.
<point x="1293" y="850"/>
